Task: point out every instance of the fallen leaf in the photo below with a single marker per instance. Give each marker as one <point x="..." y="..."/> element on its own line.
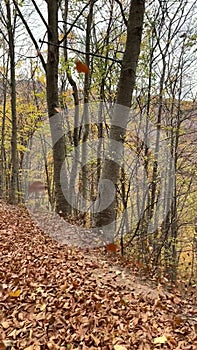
<point x="119" y="347"/>
<point x="111" y="247"/>
<point x="160" y="340"/>
<point x="96" y="340"/>
<point x="4" y="344"/>
<point x="195" y="328"/>
<point x="67" y="295"/>
<point x="42" y="307"/>
<point x="15" y="294"/>
<point x="5" y="324"/>
<point x="118" y="272"/>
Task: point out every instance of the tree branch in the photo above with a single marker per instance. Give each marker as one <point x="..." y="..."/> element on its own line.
<point x="122" y="12"/>
<point x="30" y="34"/>
<point x="40" y="14"/>
<point x="82" y="52"/>
<point x="76" y="19"/>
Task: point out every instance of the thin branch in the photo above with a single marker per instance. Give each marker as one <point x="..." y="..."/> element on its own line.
<point x="4" y="36"/>
<point x="82" y="52"/>
<point x="71" y="24"/>
<point x="122" y="12"/>
<point x="40" y="14"/>
<point x="76" y="19"/>
<point x="30" y="34"/>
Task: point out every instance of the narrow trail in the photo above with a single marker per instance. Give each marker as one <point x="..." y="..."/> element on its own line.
<point x="56" y="296"/>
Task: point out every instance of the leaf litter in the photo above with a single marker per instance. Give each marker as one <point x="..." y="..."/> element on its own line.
<point x="54" y="296"/>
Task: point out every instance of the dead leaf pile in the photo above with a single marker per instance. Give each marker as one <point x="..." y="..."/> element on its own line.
<point x="58" y="297"/>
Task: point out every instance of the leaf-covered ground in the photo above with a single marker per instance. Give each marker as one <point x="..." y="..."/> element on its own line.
<point x="57" y="297"/>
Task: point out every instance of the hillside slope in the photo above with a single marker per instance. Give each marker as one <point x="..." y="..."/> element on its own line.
<point x="53" y="296"/>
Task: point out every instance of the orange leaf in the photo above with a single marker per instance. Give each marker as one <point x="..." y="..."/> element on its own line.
<point x="111" y="247"/>
<point x="15" y="294"/>
<point x="81" y="67"/>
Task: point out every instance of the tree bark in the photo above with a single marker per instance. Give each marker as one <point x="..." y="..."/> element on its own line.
<point x="106" y="213"/>
<point x="3" y="125"/>
<point x="86" y="117"/>
<point x="56" y="125"/>
<point x="14" y="161"/>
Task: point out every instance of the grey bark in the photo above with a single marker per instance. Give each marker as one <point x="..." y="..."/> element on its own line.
<point x="2" y="148"/>
<point x="106" y="211"/>
<point x="56" y="125"/>
<point x="14" y="161"/>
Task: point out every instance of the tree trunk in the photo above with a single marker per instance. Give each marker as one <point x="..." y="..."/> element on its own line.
<point x="3" y="124"/>
<point x="86" y="117"/>
<point x="14" y="163"/>
<point x="105" y="205"/>
<point x="56" y="125"/>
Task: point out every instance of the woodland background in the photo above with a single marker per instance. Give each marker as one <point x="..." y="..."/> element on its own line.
<point x="155" y="209"/>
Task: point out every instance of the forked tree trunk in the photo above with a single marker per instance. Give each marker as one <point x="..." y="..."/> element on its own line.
<point x="56" y="125"/>
<point x="106" y="211"/>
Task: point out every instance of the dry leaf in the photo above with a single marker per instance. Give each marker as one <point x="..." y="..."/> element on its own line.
<point x="15" y="294"/>
<point x="96" y="340"/>
<point x="5" y="324"/>
<point x="4" y="344"/>
<point x="118" y="272"/>
<point x="82" y="294"/>
<point x="160" y="340"/>
<point x="119" y="347"/>
<point x="111" y="247"/>
<point x="195" y="328"/>
<point x="42" y="307"/>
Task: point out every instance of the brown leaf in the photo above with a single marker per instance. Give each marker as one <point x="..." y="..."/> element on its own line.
<point x="80" y="299"/>
<point x="111" y="248"/>
<point x="5" y="324"/>
<point x="2" y="346"/>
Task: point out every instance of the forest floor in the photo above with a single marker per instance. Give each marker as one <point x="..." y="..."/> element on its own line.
<point x="56" y="296"/>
